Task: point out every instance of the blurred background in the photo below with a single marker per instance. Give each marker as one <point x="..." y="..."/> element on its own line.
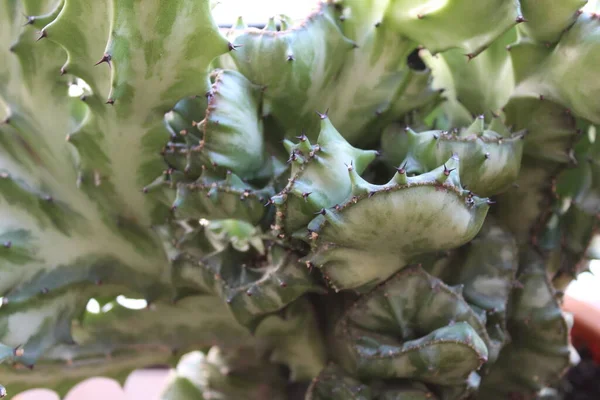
<point x="148" y="384"/>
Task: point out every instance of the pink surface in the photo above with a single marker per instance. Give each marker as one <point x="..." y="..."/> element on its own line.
<point x="140" y="385"/>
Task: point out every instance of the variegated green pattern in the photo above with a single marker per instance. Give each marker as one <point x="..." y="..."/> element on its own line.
<point x="382" y="200"/>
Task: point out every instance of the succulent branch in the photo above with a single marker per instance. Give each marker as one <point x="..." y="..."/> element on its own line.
<point x="383" y="200"/>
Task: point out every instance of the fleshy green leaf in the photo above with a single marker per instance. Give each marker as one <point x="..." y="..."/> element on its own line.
<point x="413" y="327"/>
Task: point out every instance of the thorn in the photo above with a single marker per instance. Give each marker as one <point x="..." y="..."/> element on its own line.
<point x="470" y="56"/>
<point x="105" y="58"/>
<point x="487" y="156"/>
<point x="508" y="48"/>
<point x="323" y="116"/>
<point x="542" y="97"/>
<point x="322" y="211"/>
<point x="293" y="157"/>
<point x="290" y="57"/>
<point x="490" y="202"/>
<point x="43" y="34"/>
<point x="45" y="291"/>
<point x="402" y="169"/>
<point x="520" y="19"/>
<point x="309" y="265"/>
<point x="62" y="71"/>
<point x="269" y="202"/>
<point x="420" y="16"/>
<point x="83" y="97"/>
<point x="4" y="300"/>
<point x="30" y="20"/>
<point x="305" y="195"/>
<point x="233" y="47"/>
<point x="110" y="101"/>
<point x="342" y="18"/>
<point x="378" y="24"/>
<point x="448" y="171"/>
<point x="7" y="244"/>
<point x="302" y="137"/>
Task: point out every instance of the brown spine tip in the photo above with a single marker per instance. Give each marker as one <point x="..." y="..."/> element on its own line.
<point x="30" y="20"/>
<point x="233" y="47"/>
<point x="63" y="71"/>
<point x="448" y="171"/>
<point x="402" y="170"/>
<point x="43" y="35"/>
<point x="377" y="24"/>
<point x="106" y="58"/>
<point x="420" y="16"/>
<point x="290" y="57"/>
<point x="324" y="115"/>
<point x="110" y="101"/>
<point x="520" y="19"/>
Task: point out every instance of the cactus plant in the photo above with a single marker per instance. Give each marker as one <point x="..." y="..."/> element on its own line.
<point x="384" y="200"/>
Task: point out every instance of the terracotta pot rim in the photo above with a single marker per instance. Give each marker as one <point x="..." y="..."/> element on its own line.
<point x="586" y="327"/>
